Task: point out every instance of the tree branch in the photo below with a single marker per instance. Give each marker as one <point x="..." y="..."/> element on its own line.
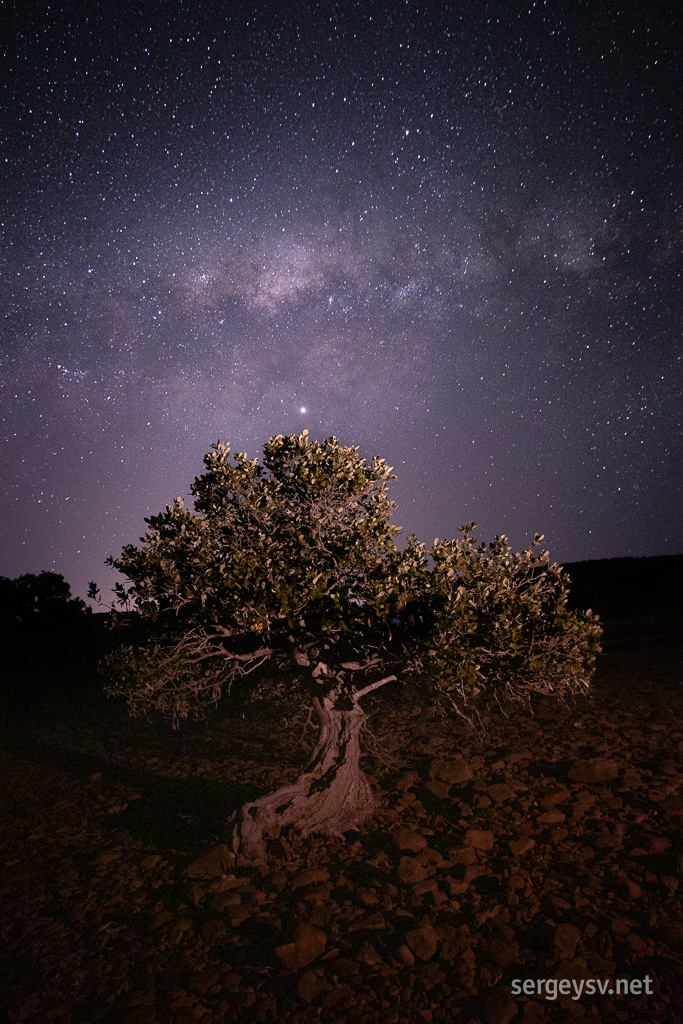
<point x="372" y="686"/>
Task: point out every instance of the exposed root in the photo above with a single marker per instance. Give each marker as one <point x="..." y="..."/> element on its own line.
<point x="331" y="796"/>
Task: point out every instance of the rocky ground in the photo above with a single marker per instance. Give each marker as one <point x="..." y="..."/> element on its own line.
<point x="549" y="850"/>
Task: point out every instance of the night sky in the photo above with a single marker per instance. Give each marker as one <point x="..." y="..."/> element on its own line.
<point x="445" y="232"/>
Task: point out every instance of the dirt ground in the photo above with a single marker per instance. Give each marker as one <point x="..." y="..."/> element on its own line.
<point x="549" y="849"/>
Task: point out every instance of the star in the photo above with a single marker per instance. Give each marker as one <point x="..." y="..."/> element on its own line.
<point x="455" y="235"/>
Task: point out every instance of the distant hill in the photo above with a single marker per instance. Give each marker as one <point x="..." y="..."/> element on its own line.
<point x="652" y="587"/>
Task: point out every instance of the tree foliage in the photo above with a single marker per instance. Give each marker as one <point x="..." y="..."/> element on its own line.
<point x="500" y="624"/>
<point x="280" y="561"/>
<point x="292" y="564"/>
<point x="32" y="600"/>
<point x="49" y="640"/>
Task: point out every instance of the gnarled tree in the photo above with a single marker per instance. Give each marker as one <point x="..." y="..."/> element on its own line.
<point x="291" y="565"/>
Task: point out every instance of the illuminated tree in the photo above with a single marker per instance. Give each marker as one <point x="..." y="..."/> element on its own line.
<point x="287" y="572"/>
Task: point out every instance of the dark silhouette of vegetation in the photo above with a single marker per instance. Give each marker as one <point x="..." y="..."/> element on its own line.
<point x="51" y="641"/>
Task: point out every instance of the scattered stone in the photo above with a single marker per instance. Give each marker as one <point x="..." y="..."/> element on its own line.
<point x="426" y="885"/>
<point x="309" y="943"/>
<point x="108" y="857"/>
<point x="213" y="929"/>
<point x="520" y="846"/>
<point x="658" y="844"/>
<point x="620" y="925"/>
<point x="440" y="790"/>
<point x="500" y="792"/>
<point x="598" y="769"/>
<point x="406" y="956"/>
<point x="423" y="941"/>
<point x="215" y="862"/>
<point x="201" y="981"/>
<point x="309" y="877"/>
<point x="566" y="939"/>
<point x="408" y="839"/>
<point x="150" y="862"/>
<point x="75" y="888"/>
<point x="479" y="840"/>
<point x="452" y="772"/>
<point x="374" y="922"/>
<point x="410" y="870"/>
<point x="673" y="805"/>
<point x="162" y="918"/>
<point x="499" y="1007"/>
<point x="222" y="900"/>
<point x="503" y="953"/>
<point x="551" y="818"/>
<point x="555" y="795"/>
<point x="463" y="855"/>
<point x="310" y="985"/>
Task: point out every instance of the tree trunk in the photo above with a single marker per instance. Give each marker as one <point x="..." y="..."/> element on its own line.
<point x="330" y="796"/>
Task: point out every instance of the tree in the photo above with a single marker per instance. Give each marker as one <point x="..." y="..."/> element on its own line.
<point x="287" y="572"/>
<point x="48" y="640"/>
<point x="38" y="598"/>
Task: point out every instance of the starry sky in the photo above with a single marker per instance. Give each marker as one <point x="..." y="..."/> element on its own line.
<point x="445" y="232"/>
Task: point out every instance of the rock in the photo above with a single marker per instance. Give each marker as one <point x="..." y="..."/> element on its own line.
<point x="214" y="863"/>
<point x="197" y="892"/>
<point x="458" y="886"/>
<point x="551" y="818"/>
<point x="222" y="900"/>
<point x="150" y="862"/>
<point x="439" y="789"/>
<point x="213" y="929"/>
<point x="410" y="870"/>
<point x="309" y="877"/>
<point x="341" y="993"/>
<point x="177" y="930"/>
<point x="426" y="885"/>
<point x="310" y="985"/>
<point x="428" y="856"/>
<point x="620" y="925"/>
<point x="407" y="839"/>
<point x="673" y="805"/>
<point x="499" y="1007"/>
<point x="597" y="769"/>
<point x="162" y="918"/>
<point x="555" y="795"/>
<point x="503" y="953"/>
<point x="423" y="941"/>
<point x="374" y="922"/>
<point x="201" y="981"/>
<point x="369" y="899"/>
<point x="500" y="791"/>
<point x="519" y="755"/>
<point x="520" y="846"/>
<point x="479" y="839"/>
<point x="406" y="782"/>
<point x="465" y="855"/>
<point x="108" y="856"/>
<point x="309" y="943"/>
<point x="405" y="955"/>
<point x="226" y="882"/>
<point x="452" y="772"/>
<point x="565" y="940"/>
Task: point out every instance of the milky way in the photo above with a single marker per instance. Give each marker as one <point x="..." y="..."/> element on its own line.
<point x="446" y="233"/>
